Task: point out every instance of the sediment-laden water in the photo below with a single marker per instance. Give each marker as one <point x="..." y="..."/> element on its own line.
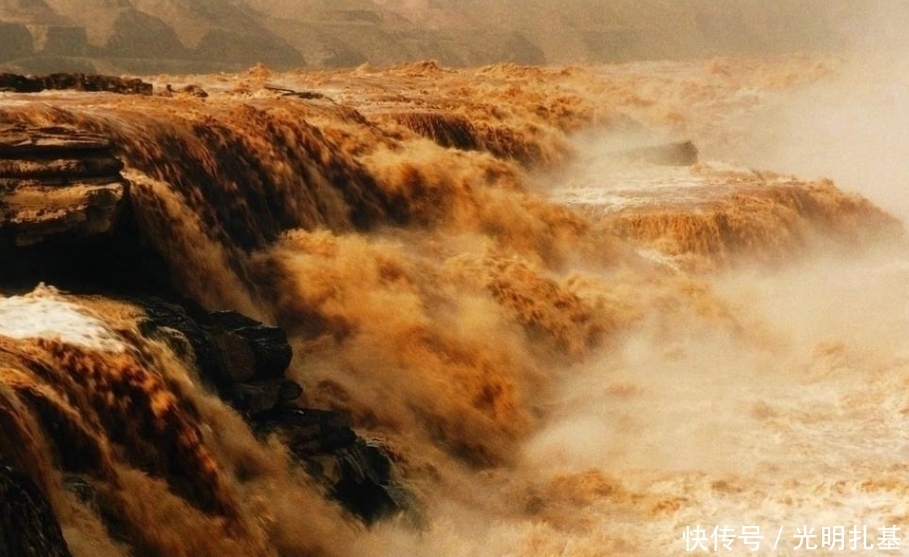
<point x="564" y="349"/>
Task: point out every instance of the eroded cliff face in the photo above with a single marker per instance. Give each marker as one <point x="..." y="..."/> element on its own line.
<point x="445" y="250"/>
<point x="215" y="35"/>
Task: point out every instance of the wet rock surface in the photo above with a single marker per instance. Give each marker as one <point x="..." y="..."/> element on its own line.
<point x="357" y="472"/>
<point x="266" y="347"/>
<point x="74" y="81"/>
<point x="245" y="361"/>
<point x="28" y="527"/>
<point x="232" y="352"/>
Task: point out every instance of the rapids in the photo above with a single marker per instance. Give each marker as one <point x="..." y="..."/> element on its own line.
<point x="564" y="353"/>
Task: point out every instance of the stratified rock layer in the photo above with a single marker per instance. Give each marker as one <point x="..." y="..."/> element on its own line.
<point x="57" y="182"/>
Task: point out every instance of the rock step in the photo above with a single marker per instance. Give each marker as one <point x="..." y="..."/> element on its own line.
<point x="269" y="351"/>
<point x="44" y="166"/>
<point x="261" y="396"/>
<point x="33" y="213"/>
<point x="228" y="347"/>
<point x="47" y="141"/>
<point x="57" y="182"/>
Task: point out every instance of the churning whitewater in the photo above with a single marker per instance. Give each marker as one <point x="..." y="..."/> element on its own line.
<point x="570" y="332"/>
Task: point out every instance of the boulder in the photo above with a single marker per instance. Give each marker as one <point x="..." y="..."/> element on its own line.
<point x="265" y="347"/>
<point x="358" y="473"/>
<point x="307" y="431"/>
<point x="243" y="359"/>
<point x="261" y="396"/>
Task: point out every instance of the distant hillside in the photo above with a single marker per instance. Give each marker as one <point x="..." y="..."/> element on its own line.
<point x="140" y="36"/>
<point x="148" y="36"/>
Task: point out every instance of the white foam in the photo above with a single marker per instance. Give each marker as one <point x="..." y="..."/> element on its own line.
<point x="43" y="314"/>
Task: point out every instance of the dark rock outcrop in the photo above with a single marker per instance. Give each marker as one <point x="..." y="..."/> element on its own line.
<point x="20" y="83"/>
<point x="267" y="346"/>
<point x="357" y="472"/>
<point x="74" y="81"/>
<point x="245" y="361"/>
<point x="28" y="527"/>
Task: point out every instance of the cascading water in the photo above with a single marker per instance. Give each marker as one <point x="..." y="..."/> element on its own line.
<point x="562" y="351"/>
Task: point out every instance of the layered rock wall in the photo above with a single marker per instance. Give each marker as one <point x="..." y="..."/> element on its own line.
<point x="56" y="182"/>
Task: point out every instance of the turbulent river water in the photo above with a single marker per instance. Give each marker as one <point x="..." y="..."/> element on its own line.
<point x="566" y="351"/>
